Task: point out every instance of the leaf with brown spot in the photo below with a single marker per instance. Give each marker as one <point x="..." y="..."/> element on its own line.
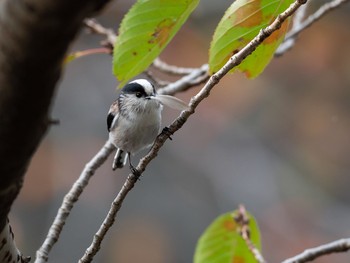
<point x="248" y="15"/>
<point x="162" y="32"/>
<point x="229" y="225"/>
<point x="241" y="23"/>
<point x="145" y="31"/>
<point x="238" y="259"/>
<point x="222" y="242"/>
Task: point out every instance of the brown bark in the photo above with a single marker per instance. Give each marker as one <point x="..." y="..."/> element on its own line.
<point x="34" y="37"/>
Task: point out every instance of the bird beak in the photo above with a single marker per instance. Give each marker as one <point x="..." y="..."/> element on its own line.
<point x="171" y="102"/>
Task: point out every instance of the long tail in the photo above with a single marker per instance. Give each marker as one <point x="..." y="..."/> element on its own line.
<point x="119" y="159"/>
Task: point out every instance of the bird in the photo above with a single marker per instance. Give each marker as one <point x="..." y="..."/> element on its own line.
<point x="134" y="119"/>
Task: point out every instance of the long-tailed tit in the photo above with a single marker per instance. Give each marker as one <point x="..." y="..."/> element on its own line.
<point x="134" y="119"/>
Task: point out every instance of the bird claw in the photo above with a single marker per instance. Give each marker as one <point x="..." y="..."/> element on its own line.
<point x="167" y="132"/>
<point x="134" y="171"/>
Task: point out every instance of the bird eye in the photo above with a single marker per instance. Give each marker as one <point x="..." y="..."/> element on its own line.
<point x="138" y="94"/>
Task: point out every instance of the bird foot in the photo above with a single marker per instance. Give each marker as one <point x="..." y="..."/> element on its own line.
<point x="167" y="132"/>
<point x="134" y="171"/>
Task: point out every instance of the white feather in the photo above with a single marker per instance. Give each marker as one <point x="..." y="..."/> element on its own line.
<point x="172" y="102"/>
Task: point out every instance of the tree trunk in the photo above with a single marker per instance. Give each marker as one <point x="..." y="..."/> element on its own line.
<point x="34" y="37"/>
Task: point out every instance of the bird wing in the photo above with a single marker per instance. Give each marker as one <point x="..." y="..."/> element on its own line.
<point x="112" y="115"/>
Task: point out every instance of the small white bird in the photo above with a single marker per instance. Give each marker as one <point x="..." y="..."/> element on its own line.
<point x="134" y="119"/>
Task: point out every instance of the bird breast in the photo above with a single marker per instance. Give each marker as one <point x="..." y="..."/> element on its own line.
<point x="137" y="130"/>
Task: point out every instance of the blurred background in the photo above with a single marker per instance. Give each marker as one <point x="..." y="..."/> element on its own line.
<point x="279" y="144"/>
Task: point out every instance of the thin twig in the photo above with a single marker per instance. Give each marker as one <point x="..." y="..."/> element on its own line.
<point x="179" y="122"/>
<point x="200" y="79"/>
<point x="242" y="220"/>
<point x="194" y="78"/>
<point x="171" y="69"/>
<point x="323" y="10"/>
<point x="97" y="28"/>
<point x="69" y="200"/>
<point x="109" y="220"/>
<point x="297" y="22"/>
<point x="300" y="14"/>
<point x="310" y="254"/>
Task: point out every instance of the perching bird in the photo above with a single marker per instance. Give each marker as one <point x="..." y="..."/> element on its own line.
<point x="134" y="119"/>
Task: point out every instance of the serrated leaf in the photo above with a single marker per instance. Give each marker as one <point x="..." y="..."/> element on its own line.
<point x="145" y="31"/>
<point x="240" y="24"/>
<point x="221" y="242"/>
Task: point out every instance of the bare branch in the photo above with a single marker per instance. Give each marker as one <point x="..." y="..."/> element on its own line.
<point x="300" y="14"/>
<point x="178" y="123"/>
<point x="109" y="220"/>
<point x="310" y="254"/>
<point x="294" y="33"/>
<point x="297" y="20"/>
<point x="171" y="69"/>
<point x="195" y="77"/>
<point x="323" y="10"/>
<point x="97" y="28"/>
<point x="242" y="220"/>
<point x="70" y="199"/>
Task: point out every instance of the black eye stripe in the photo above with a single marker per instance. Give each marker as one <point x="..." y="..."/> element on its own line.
<point x="134" y="88"/>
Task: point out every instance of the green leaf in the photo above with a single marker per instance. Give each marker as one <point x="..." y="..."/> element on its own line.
<point x="240" y="24"/>
<point x="221" y="242"/>
<point x="145" y="31"/>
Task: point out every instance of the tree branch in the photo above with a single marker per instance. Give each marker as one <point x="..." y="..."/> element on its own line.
<point x="195" y="77"/>
<point x="70" y="199"/>
<point x="243" y="222"/>
<point x="97" y="28"/>
<point x="297" y="20"/>
<point x="291" y="36"/>
<point x="178" y="123"/>
<point x="310" y="254"/>
<point x="171" y="69"/>
<point x="95" y="246"/>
